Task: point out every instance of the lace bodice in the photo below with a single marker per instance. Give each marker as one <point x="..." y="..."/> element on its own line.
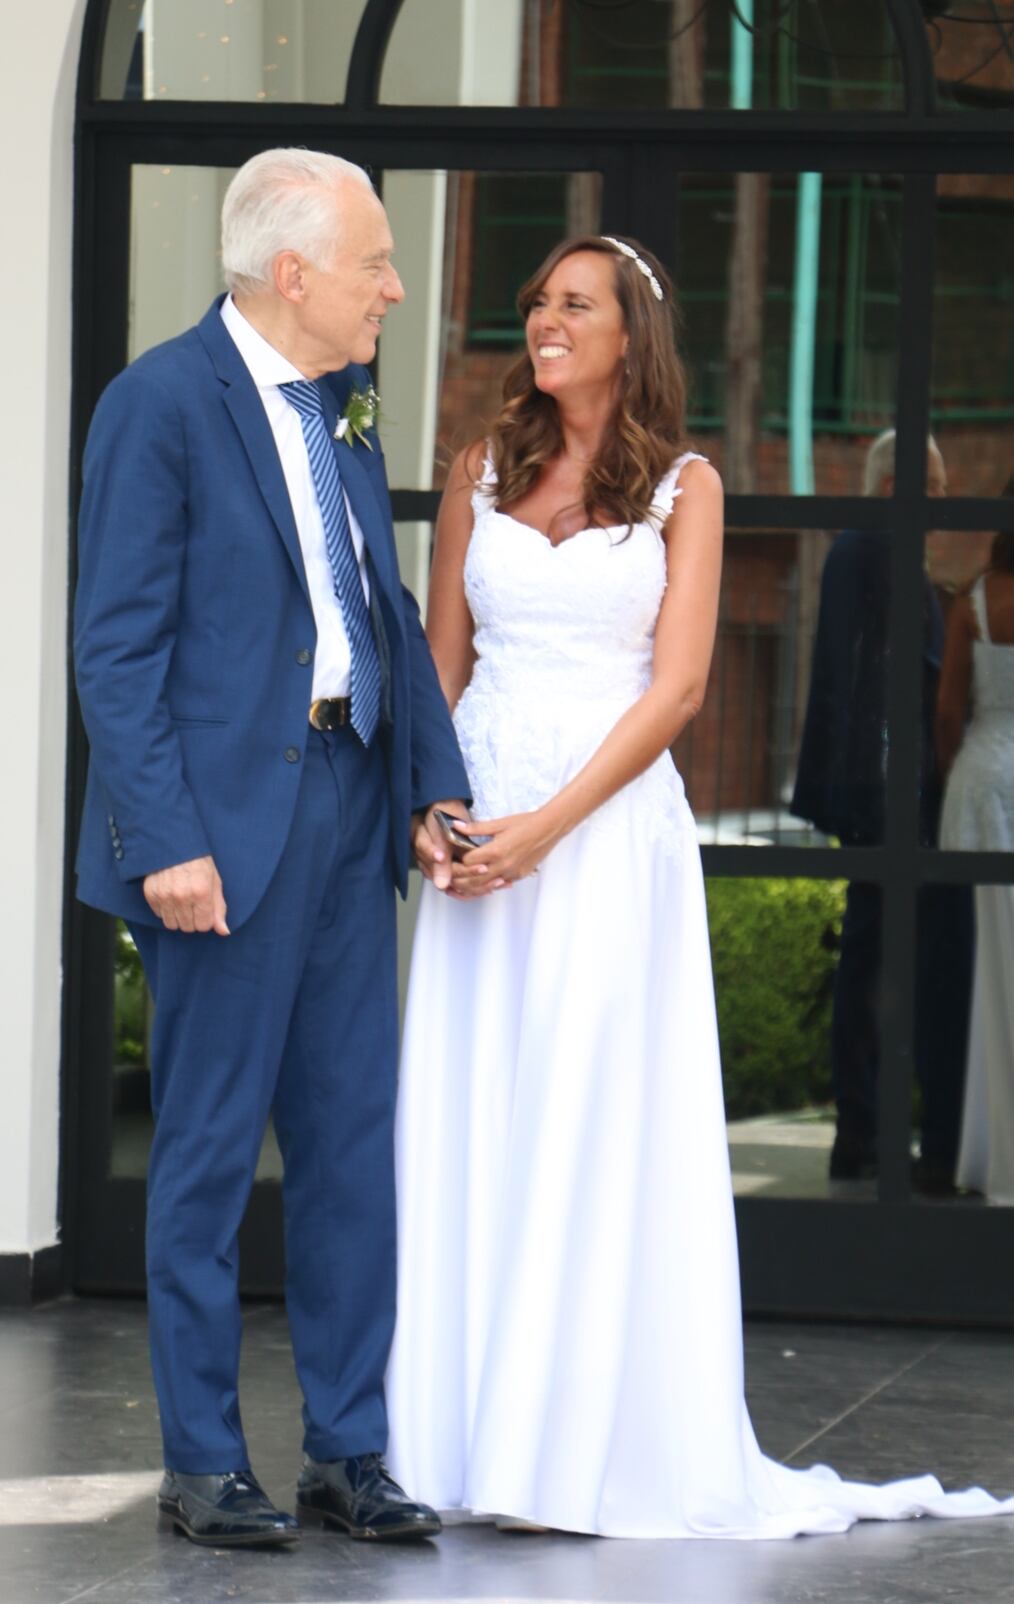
<point x="563" y="638"/>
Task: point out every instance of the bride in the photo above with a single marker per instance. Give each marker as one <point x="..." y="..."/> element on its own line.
<point x="568" y="1350"/>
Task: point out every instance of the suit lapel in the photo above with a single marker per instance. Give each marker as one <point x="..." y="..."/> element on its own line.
<point x="247" y="412"/>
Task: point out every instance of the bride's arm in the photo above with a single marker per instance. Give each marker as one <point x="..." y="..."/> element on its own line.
<point x="684" y="641"/>
<point x="449" y="625"/>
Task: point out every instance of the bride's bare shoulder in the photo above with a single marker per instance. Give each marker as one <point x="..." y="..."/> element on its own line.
<point x="702" y="476"/>
<point x="466" y="469"/>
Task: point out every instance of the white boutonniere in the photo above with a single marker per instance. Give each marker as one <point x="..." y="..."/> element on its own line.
<point x="361" y="412"/>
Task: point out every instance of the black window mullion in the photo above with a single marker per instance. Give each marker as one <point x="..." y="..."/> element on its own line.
<point x="904" y="670"/>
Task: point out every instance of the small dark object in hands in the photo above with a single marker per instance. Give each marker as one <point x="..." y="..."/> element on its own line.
<point x="455" y="836"/>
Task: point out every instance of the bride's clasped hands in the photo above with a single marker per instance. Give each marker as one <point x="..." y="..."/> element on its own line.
<point x="519" y="843"/>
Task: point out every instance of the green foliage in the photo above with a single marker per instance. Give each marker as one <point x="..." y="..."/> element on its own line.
<point x="774" y="947"/>
<point x="130" y="1001"/>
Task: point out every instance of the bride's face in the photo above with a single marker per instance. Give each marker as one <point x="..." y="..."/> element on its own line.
<point x="575" y="331"/>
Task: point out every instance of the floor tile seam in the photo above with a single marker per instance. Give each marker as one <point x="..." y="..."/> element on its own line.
<point x="868" y="1397"/>
<point x="107" y="1581"/>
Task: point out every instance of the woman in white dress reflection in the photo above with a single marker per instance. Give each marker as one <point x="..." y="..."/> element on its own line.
<point x="569" y="1349"/>
<point x="977" y="755"/>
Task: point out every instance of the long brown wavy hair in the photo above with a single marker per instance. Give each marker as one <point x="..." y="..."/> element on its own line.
<point x="646" y="432"/>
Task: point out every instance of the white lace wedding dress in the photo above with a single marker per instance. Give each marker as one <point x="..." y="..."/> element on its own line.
<point x="569" y="1348"/>
<point x="978" y="814"/>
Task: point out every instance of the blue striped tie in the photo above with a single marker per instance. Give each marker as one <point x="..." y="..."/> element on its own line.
<point x="305" y="397"/>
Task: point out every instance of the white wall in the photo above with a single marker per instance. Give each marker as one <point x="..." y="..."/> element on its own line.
<point x="36" y="133"/>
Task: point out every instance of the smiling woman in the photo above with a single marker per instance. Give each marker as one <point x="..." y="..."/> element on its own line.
<point x="591" y="312"/>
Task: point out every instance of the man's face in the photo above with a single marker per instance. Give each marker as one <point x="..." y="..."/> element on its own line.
<point x="344" y="304"/>
<point x="936" y="476"/>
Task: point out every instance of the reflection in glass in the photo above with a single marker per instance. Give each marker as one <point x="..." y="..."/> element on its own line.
<point x="294" y="51"/>
<point x="943" y="992"/>
<point x="975" y="710"/>
<point x="975" y="749"/>
<point x="774" y="948"/>
<point x="973" y="331"/>
<point x="985" y="1160"/>
<point x="964" y="1043"/>
<point x="816" y="54"/>
<point x="175" y="270"/>
<point x="738" y="757"/>
<point x="790" y="292"/>
<point x="466" y="243"/>
<point x="973" y="61"/>
<point x="790" y="745"/>
<point x="842" y="766"/>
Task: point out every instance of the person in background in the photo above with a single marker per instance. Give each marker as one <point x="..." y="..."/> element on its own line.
<point x="975" y="748"/>
<point x="840" y="789"/>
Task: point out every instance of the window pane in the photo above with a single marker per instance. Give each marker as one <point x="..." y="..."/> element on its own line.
<point x="790" y="746"/>
<point x="466" y="242"/>
<point x="797" y="973"/>
<point x="272" y="50"/>
<point x="973" y="334"/>
<point x="973" y="59"/>
<point x="816" y="54"/>
<point x="789" y="288"/>
<point x="175" y="271"/>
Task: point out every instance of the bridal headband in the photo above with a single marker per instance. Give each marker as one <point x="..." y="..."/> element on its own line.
<point x="639" y="263"/>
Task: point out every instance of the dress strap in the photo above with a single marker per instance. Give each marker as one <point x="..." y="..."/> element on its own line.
<point x="667" y="489"/>
<point x="978" y="597"/>
<point x="482" y="496"/>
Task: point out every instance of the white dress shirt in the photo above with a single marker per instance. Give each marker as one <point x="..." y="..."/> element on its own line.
<point x="332" y="662"/>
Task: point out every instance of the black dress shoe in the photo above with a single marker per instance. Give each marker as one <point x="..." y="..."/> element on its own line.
<point x="362" y="1498"/>
<point x="230" y="1510"/>
<point x="934" y="1177"/>
<point x="852" y="1160"/>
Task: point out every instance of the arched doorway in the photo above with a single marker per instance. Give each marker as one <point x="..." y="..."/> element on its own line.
<point x="834" y="204"/>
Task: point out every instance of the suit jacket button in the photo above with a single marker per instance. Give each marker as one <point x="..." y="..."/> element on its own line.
<point x="117" y="852"/>
<point x="303" y="657"/>
<point x="292" y="754"/>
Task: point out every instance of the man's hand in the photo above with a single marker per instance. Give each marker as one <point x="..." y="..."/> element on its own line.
<point x="432" y="850"/>
<point x="188" y="896"/>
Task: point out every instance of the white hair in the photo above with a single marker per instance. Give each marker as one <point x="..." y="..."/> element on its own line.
<point x="880" y="460"/>
<point x="282" y="200"/>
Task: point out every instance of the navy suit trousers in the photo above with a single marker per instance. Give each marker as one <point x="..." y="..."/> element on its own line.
<point x="295" y="1016"/>
<point x="945" y="947"/>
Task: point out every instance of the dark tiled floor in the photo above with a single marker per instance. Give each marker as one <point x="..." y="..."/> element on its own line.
<point x="79" y="1464"/>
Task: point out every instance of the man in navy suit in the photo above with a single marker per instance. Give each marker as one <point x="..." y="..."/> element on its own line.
<point x="840" y="788"/>
<point x="267" y="736"/>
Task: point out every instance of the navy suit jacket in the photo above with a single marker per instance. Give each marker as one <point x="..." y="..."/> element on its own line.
<point x="843" y="751"/>
<point x="194" y="632"/>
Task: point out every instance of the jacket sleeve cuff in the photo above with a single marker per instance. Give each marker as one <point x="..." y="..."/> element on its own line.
<point x="136" y="860"/>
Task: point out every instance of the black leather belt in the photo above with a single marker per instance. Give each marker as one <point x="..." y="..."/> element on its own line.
<point x="330" y="712"/>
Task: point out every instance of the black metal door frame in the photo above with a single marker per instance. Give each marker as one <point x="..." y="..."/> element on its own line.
<point x="892" y="1258"/>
